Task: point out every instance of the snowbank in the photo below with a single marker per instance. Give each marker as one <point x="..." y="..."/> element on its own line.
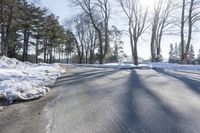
<point x="115" y="65"/>
<point x="174" y="66"/>
<point x="145" y="66"/>
<point x="26" y="81"/>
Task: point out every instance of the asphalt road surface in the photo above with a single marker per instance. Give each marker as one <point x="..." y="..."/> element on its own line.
<point x="92" y="100"/>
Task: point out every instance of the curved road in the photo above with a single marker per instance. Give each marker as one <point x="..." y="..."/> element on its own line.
<point x="92" y="100"/>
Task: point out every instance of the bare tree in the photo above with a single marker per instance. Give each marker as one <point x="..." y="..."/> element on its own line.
<point x="100" y="8"/>
<point x="190" y="15"/>
<point x="86" y="38"/>
<point x="137" y="23"/>
<point x="91" y="43"/>
<point x="80" y="31"/>
<point x="161" y="21"/>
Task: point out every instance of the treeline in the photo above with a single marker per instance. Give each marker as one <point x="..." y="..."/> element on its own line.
<point x="28" y="31"/>
<point x="93" y="33"/>
<point x="26" y="28"/>
<point x="31" y="33"/>
<point x="87" y="41"/>
<point x="167" y="17"/>
<point x="175" y="54"/>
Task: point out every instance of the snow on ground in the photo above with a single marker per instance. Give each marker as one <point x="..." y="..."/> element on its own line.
<point x="26" y="81"/>
<point x="174" y="66"/>
<point x="114" y="65"/>
<point x="145" y="66"/>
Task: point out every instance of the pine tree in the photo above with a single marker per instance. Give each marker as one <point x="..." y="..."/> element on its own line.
<point x="180" y="51"/>
<point x="24" y="26"/>
<point x="176" y="54"/>
<point x="70" y="44"/>
<point x="191" y="55"/>
<point x="171" y="54"/>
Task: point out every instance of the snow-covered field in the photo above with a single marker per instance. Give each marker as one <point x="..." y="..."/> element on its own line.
<point x="145" y="66"/>
<point x="26" y="81"/>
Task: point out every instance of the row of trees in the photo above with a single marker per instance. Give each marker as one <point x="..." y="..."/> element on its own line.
<point x="26" y="28"/>
<point x="93" y="35"/>
<point x="96" y="14"/>
<point x="175" y="54"/>
<point x="163" y="19"/>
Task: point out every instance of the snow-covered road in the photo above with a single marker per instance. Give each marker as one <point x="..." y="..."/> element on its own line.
<point x="100" y="100"/>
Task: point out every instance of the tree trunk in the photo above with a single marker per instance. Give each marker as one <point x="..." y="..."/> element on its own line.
<point x="106" y="39"/>
<point x="25" y="46"/>
<point x="86" y="57"/>
<point x="182" y="32"/>
<point x="132" y="44"/>
<point x="101" y="58"/>
<point x="135" y="52"/>
<point x="3" y="38"/>
<point x="45" y="50"/>
<point x="36" y="51"/>
<point x="51" y="55"/>
<point x="190" y="32"/>
<point x="59" y="55"/>
<point x="12" y="47"/>
<point x="91" y="57"/>
<point x="153" y="36"/>
<point x="2" y="29"/>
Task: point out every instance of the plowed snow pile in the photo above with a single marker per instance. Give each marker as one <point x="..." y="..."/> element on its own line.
<point x="26" y="81"/>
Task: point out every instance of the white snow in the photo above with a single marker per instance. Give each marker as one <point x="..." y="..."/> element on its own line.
<point x="115" y="65"/>
<point x="174" y="66"/>
<point x="145" y="66"/>
<point x="26" y="81"/>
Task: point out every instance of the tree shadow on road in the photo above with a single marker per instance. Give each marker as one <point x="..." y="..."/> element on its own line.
<point x="189" y="72"/>
<point x="143" y="111"/>
<point x="139" y="108"/>
<point x="66" y="75"/>
<point x="194" y="85"/>
<point x="81" y="77"/>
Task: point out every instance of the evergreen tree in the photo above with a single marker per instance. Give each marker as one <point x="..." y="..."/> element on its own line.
<point x="24" y="26"/>
<point x="70" y="44"/>
<point x="38" y="30"/>
<point x="176" y="54"/>
<point x="171" y="54"/>
<point x="191" y="55"/>
<point x="112" y="56"/>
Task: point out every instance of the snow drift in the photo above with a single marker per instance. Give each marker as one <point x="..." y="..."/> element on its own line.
<point x="26" y="81"/>
<point x="174" y="66"/>
<point x="156" y="65"/>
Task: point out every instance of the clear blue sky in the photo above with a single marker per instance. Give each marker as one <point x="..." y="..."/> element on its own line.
<point x="65" y="10"/>
<point x="61" y="8"/>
